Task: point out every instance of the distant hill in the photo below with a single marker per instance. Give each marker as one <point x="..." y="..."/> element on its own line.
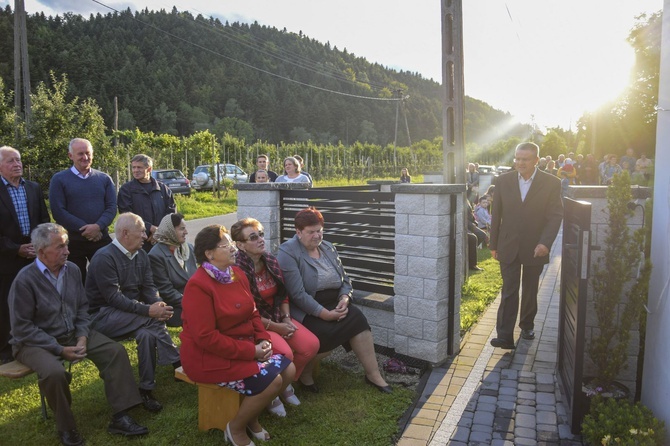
<point x="176" y="73"/>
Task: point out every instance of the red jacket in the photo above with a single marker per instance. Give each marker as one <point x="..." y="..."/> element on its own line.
<point x="221" y="329"/>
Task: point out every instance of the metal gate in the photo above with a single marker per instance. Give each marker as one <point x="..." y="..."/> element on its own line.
<point x="572" y="313"/>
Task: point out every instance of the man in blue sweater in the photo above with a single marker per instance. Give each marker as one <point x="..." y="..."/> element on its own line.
<point x="83" y="200"/>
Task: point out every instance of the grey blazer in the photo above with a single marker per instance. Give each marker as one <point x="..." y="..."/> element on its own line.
<point x="301" y="277"/>
<point x="169" y="277"/>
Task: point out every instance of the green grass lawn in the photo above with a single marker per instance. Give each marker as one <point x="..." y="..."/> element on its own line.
<point x="480" y="289"/>
<point x="345" y="412"/>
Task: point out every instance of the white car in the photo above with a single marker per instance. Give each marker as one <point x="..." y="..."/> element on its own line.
<point x="203" y="175"/>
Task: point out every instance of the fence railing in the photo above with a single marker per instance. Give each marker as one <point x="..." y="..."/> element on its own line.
<point x="359" y="221"/>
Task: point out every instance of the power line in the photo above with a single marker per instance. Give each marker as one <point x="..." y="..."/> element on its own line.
<point x="245" y="64"/>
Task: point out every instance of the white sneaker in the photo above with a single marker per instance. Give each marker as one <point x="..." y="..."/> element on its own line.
<point x="288" y="396"/>
<point x="277" y="408"/>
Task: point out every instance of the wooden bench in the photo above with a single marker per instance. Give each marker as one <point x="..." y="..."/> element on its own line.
<point x="16" y="370"/>
<point x="216" y="405"/>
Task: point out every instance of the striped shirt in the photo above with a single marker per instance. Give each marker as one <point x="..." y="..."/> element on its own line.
<point x="20" y="201"/>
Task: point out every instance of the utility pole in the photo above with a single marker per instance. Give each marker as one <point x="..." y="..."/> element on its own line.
<point x="453" y="145"/>
<point x="395" y="135"/>
<point x="21" y="68"/>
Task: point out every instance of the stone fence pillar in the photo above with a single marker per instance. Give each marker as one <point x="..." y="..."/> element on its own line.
<point x="424" y="230"/>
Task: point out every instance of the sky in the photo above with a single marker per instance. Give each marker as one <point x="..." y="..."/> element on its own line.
<point x="544" y="61"/>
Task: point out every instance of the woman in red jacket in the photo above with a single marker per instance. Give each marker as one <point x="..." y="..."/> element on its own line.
<point x="224" y="341"/>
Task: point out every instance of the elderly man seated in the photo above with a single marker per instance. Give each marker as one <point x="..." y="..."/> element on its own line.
<point x="124" y="302"/>
<point x="50" y="324"/>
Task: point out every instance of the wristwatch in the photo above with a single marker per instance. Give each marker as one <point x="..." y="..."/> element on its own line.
<point x="284" y="316"/>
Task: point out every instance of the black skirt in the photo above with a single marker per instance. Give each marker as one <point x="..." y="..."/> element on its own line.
<point x="333" y="333"/>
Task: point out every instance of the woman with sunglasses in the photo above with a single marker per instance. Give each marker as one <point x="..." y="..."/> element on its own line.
<point x="224" y="341"/>
<point x="288" y="337"/>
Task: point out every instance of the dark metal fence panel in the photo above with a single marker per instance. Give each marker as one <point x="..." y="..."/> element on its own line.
<point x="572" y="310"/>
<point x="360" y="222"/>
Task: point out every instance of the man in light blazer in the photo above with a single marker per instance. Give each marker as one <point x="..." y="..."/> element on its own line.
<point x="22" y="208"/>
<point x="527" y="214"/>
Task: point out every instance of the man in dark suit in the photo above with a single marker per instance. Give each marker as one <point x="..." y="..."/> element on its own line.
<point x="527" y="214"/>
<point x="22" y="208"/>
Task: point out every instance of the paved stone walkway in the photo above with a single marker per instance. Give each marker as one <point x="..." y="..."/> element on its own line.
<point x="490" y="396"/>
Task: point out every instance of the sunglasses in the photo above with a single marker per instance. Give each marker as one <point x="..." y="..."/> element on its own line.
<point x="254" y="237"/>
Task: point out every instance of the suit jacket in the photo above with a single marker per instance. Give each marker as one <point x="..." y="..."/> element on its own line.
<point x="301" y="276"/>
<point x="169" y="277"/>
<point x="11" y="238"/>
<point x="517" y="227"/>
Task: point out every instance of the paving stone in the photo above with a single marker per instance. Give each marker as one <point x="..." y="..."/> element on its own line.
<point x="465" y="422"/>
<point x="468" y="415"/>
<point x="524" y="432"/>
<point x="507" y="391"/>
<point x="487" y="385"/>
<point x="545" y="387"/>
<point x="545" y="408"/>
<point x="525" y="402"/>
<point x="509" y="383"/>
<point x="487" y="399"/>
<point x="481" y="428"/>
<point x="525" y="420"/>
<point x="502" y="438"/>
<point x="502" y="443"/>
<point x="503" y="424"/>
<point x="525" y="409"/>
<point x="548" y="428"/>
<point x="483" y="418"/>
<point x="545" y="417"/>
<point x="511" y="398"/>
<point x="545" y="398"/>
<point x="548" y="436"/>
<point x="504" y="413"/>
<point x="545" y="378"/>
<point x="461" y="434"/>
<point x="509" y="405"/>
<point x="529" y="395"/>
<point x="509" y="374"/>
<point x="525" y="442"/>
<point x="486" y="407"/>
<point x="526" y="387"/>
<point x="490" y="392"/>
<point x="492" y="377"/>
<point x="480" y="437"/>
<point x="471" y="406"/>
<point x="455" y="443"/>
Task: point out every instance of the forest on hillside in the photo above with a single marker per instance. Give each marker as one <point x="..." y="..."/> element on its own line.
<point x="175" y="73"/>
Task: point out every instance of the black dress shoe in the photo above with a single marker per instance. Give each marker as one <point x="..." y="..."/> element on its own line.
<point x="70" y="438"/>
<point x="150" y="403"/>
<point x="310" y="387"/>
<point x="382" y="389"/>
<point x="528" y="334"/>
<point x="126" y="426"/>
<point x="501" y="343"/>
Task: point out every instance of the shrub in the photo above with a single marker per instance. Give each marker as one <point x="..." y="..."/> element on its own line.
<point x="614" y="422"/>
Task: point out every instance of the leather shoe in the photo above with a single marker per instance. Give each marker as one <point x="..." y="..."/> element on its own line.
<point x="126" y="426"/>
<point x="70" y="438"/>
<point x="502" y="343"/>
<point x="150" y="403"/>
<point x="382" y="389"/>
<point x="310" y="387"/>
<point x="528" y="334"/>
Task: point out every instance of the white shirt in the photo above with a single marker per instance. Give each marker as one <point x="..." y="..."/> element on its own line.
<point x="524" y="185"/>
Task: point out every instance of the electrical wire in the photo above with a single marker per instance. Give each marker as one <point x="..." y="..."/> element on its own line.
<point x="245" y="64"/>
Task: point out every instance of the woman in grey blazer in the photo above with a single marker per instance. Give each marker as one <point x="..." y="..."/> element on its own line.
<point x="172" y="263"/>
<point x="320" y="292"/>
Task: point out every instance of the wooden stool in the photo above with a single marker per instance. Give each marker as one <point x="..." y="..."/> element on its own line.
<point x="15" y="370"/>
<point x="216" y="405"/>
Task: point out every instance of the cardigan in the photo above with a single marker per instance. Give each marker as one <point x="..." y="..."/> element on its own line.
<point x="40" y="316"/>
<point x="221" y="329"/>
<point x="301" y="276"/>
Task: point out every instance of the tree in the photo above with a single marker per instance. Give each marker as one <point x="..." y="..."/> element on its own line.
<point x="7" y="116"/>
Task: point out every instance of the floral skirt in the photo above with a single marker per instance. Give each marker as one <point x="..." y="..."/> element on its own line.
<point x="255" y="384"/>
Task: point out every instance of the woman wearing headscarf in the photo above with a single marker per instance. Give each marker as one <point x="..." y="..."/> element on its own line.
<point x="172" y="263"/>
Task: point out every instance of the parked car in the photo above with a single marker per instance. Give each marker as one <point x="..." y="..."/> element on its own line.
<point x="203" y="178"/>
<point x="484" y="169"/>
<point x="503" y="169"/>
<point x="174" y="179"/>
